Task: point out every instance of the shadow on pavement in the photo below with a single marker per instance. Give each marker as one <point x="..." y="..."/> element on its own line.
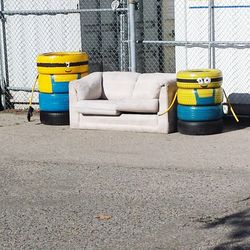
<point x="231" y="125"/>
<point x="239" y="225"/>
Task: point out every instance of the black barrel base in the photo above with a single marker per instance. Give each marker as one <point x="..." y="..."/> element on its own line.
<point x="200" y="128"/>
<point x="54" y="118"/>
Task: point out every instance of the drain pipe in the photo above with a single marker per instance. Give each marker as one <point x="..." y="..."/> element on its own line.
<point x="132" y="32"/>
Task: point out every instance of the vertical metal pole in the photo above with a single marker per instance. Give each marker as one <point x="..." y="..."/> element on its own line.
<point x="100" y="32"/>
<point x="186" y="40"/>
<point x="160" y="35"/>
<point x="4" y="61"/>
<point x="132" y="38"/>
<point x="213" y="33"/>
<point x="209" y="33"/>
<point x="2" y="82"/>
<point x="122" y="39"/>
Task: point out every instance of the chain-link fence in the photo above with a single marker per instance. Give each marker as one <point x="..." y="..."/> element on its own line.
<point x="33" y="27"/>
<point x="185" y="34"/>
<point x="170" y="35"/>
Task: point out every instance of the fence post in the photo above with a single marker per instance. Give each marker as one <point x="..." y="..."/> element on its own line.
<point x="213" y="32"/>
<point x="2" y="83"/>
<point x="4" y="61"/>
<point x="122" y="38"/>
<point x="211" y="35"/>
<point x="132" y="36"/>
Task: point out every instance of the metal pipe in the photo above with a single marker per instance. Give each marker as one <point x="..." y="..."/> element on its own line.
<point x="223" y="44"/>
<point x="56" y="12"/>
<point x="209" y="33"/>
<point x="186" y="38"/>
<point x="4" y="58"/>
<point x="132" y="38"/>
<point x="2" y="82"/>
<point x="24" y="89"/>
<point x="213" y="33"/>
<point x="122" y="44"/>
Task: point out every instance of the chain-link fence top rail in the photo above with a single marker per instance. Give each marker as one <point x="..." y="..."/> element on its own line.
<point x="36" y="27"/>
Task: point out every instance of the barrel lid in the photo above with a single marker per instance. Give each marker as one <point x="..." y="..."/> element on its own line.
<point x="199" y="73"/>
<point x="62" y="57"/>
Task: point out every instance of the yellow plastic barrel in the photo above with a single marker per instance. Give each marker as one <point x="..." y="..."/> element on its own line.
<point x="60" y="63"/>
<point x="199" y="78"/>
<point x="200" y="97"/>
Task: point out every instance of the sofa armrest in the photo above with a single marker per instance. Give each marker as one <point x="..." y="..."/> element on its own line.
<point x="167" y="94"/>
<point x="88" y="87"/>
<point x="73" y="114"/>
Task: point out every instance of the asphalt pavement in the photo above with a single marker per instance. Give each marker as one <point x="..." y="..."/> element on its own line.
<point x="83" y="189"/>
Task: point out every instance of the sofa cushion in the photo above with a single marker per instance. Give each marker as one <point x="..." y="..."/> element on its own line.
<point x="90" y="86"/>
<point x="138" y="105"/>
<point x="118" y="85"/>
<point x="97" y="107"/>
<point x="148" y="85"/>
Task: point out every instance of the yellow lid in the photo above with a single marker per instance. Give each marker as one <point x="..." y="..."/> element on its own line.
<point x="62" y="57"/>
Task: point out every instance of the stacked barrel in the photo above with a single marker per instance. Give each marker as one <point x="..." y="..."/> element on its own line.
<point x="55" y="71"/>
<point x="200" y="96"/>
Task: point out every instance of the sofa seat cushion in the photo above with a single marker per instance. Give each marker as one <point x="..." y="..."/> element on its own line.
<point x="115" y="107"/>
<point x="97" y="107"/>
<point x="138" y="105"/>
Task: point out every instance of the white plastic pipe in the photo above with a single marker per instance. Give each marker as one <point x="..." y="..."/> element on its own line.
<point x="132" y="37"/>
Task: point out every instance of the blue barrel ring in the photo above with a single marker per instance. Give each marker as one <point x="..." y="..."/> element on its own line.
<point x="199" y="113"/>
<point x="54" y="102"/>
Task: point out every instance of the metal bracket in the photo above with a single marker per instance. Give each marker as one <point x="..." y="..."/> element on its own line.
<point x="2" y="17"/>
<point x="136" y="3"/>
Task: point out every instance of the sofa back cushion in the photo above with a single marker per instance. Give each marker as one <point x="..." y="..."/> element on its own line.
<point x="148" y="85"/>
<point x="118" y="85"/>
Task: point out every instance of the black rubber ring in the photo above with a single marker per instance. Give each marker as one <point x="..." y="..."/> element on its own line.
<point x="200" y="128"/>
<point x="54" y="118"/>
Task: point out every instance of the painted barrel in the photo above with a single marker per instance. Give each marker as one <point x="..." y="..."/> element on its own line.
<point x="56" y="70"/>
<point x="199" y="101"/>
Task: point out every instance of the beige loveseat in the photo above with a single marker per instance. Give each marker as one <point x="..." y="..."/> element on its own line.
<point x="123" y="101"/>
